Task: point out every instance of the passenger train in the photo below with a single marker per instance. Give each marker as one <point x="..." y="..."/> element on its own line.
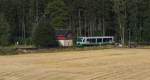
<point x="89" y="41"/>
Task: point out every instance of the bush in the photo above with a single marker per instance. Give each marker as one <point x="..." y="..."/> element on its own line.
<point x="8" y="51"/>
<point x="44" y="34"/>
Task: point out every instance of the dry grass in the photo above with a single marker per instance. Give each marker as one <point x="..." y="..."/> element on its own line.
<point x="108" y="64"/>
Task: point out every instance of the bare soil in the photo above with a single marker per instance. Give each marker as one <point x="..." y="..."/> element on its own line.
<point x="107" y="64"/>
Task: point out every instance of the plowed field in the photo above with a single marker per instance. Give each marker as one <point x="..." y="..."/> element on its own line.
<point x="108" y="64"/>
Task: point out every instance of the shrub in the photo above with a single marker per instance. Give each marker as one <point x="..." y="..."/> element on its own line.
<point x="44" y="34"/>
<point x="8" y="51"/>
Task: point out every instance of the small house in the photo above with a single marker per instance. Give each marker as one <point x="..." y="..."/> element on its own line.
<point x="64" y="38"/>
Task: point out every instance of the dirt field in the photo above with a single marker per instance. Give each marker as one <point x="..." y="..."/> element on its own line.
<point x="108" y="64"/>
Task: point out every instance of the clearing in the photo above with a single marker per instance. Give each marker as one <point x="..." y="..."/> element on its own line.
<point x="107" y="64"/>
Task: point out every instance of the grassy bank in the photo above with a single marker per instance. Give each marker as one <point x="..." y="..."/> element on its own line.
<point x="28" y="50"/>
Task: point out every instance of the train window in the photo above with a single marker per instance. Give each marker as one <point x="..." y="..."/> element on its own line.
<point x="91" y="40"/>
<point x="79" y="39"/>
<point x="83" y="40"/>
<point x="88" y="40"/>
<point x="107" y="39"/>
<point x="99" y="40"/>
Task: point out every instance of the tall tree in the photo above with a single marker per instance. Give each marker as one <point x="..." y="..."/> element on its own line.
<point x="58" y="12"/>
<point x="5" y="31"/>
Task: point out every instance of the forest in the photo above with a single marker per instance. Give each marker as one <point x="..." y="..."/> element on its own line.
<point x="34" y="22"/>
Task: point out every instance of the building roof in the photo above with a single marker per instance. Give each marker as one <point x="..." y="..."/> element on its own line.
<point x="63" y="32"/>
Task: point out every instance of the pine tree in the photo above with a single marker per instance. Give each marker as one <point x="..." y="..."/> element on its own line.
<point x="57" y="10"/>
<point x="44" y="34"/>
<point x="5" y="31"/>
<point x="120" y="9"/>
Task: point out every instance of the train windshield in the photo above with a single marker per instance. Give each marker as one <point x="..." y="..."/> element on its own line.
<point x="79" y="39"/>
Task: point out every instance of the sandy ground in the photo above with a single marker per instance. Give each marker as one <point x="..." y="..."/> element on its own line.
<point x="108" y="64"/>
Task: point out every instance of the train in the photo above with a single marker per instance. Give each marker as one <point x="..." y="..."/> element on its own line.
<point x="97" y="40"/>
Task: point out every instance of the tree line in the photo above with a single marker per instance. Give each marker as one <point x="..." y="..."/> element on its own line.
<point x="35" y="21"/>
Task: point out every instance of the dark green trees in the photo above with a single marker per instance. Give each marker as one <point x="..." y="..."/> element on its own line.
<point x="127" y="20"/>
<point x="4" y="31"/>
<point x="57" y="10"/>
<point x="44" y="34"/>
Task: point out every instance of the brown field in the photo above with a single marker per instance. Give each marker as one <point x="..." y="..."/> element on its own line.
<point x="108" y="64"/>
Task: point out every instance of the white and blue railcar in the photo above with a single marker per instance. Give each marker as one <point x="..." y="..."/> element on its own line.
<point x="95" y="40"/>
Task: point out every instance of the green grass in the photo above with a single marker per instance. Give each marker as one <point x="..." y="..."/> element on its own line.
<point x="8" y="51"/>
